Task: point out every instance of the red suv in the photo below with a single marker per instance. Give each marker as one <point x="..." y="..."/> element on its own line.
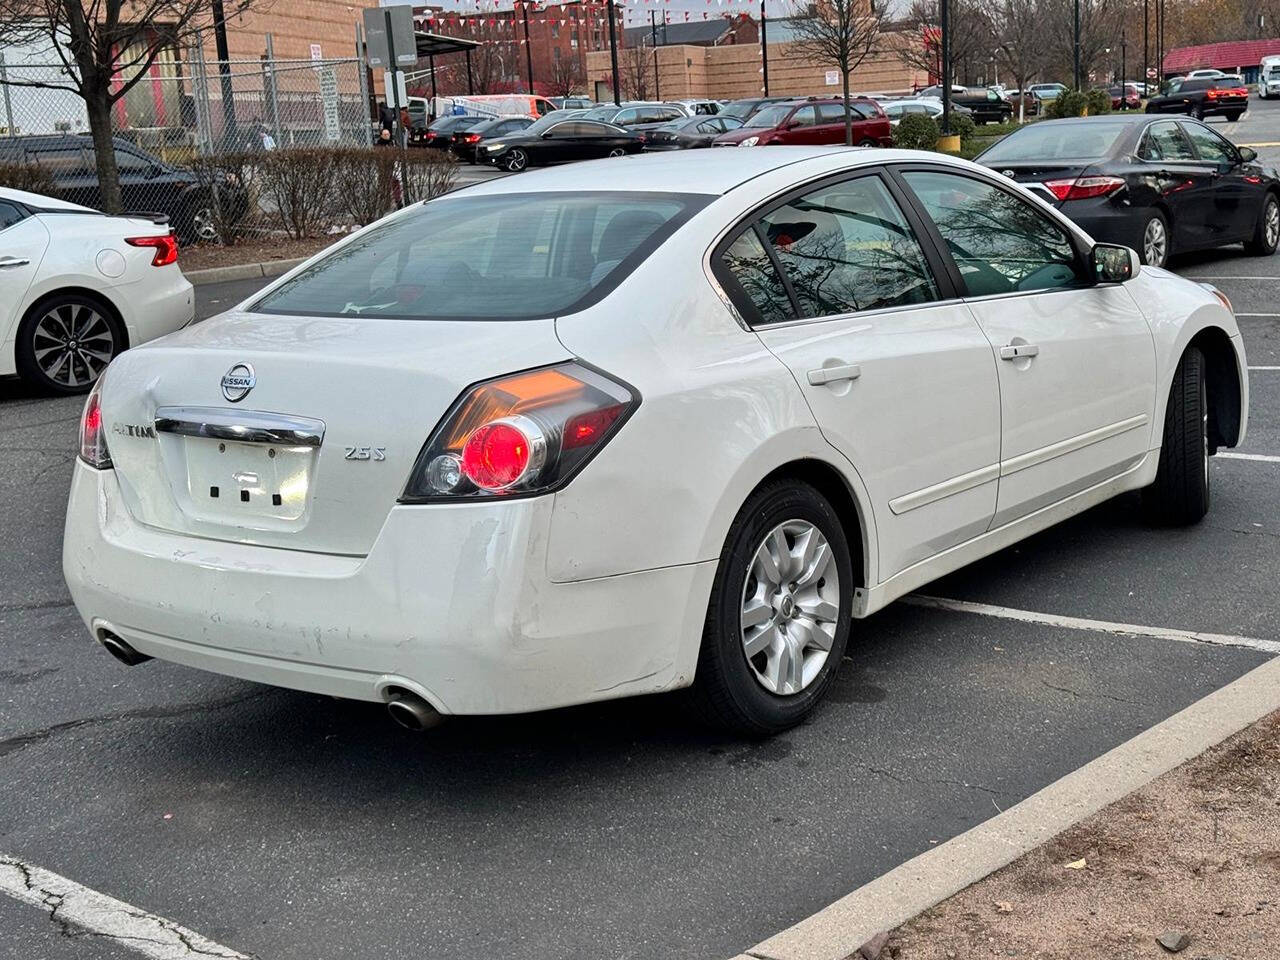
<point x="810" y="122"/>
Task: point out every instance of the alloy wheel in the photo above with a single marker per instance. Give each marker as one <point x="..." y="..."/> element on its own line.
<point x="617" y="152"/>
<point x="517" y="161"/>
<point x="203" y="225"/>
<point x="1155" y="242"/>
<point x="790" y="607"/>
<point x="72" y="344"/>
<point x="1271" y="225"/>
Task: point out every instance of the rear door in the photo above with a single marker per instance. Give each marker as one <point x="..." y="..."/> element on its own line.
<point x="1183" y="184"/>
<point x="899" y="376"/>
<point x="1236" y="195"/>
<point x="1076" y="359"/>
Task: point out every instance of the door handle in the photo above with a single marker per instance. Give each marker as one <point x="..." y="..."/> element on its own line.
<point x="846" y="371"/>
<point x="14" y="261"/>
<point x="1019" y="351"/>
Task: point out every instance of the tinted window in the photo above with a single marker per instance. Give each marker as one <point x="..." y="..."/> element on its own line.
<point x="131" y="162"/>
<point x="1073" y="140"/>
<point x="1228" y="83"/>
<point x="1000" y="242"/>
<point x="769" y="117"/>
<point x="1189" y="85"/>
<point x="598" y="130"/>
<point x="623" y="118"/>
<point x="62" y="162"/>
<point x="574" y="128"/>
<point x="830" y="113"/>
<point x="1210" y="147"/>
<point x="711" y="126"/>
<point x="750" y="265"/>
<point x="509" y="256"/>
<point x="9" y="215"/>
<point x="1164" y="141"/>
<point x="846" y="248"/>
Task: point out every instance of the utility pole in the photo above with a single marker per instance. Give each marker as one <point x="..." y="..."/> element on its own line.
<point x="946" y="67"/>
<point x="613" y="53"/>
<point x="1145" y="51"/>
<point x="224" y="73"/>
<point x="764" y="48"/>
<point x="653" y="36"/>
<point x="1123" y="65"/>
<point x="528" y="44"/>
<point x="1076" y="45"/>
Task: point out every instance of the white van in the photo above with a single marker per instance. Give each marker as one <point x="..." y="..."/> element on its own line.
<point x="1269" y="78"/>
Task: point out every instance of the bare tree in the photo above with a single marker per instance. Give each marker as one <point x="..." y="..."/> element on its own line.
<point x="842" y="33"/>
<point x="566" y="77"/>
<point x="1099" y="29"/>
<point x="635" y="72"/>
<point x="972" y="35"/>
<point x="106" y="48"/>
<point x="1022" y="44"/>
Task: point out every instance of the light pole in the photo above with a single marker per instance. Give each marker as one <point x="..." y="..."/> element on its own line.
<point x="946" y="67"/>
<point x="1145" y="52"/>
<point x="1123" y="65"/>
<point x="613" y="53"/>
<point x="528" y="43"/>
<point x="764" y="48"/>
<point x="1076" y="44"/>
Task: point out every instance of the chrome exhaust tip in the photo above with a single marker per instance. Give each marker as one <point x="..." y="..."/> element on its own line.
<point x="412" y="712"/>
<point x="121" y="650"/>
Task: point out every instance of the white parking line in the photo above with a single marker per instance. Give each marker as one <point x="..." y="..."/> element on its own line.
<point x="1264" y="368"/>
<point x="1258" y="314"/>
<point x="67" y="902"/>
<point x="1098" y="626"/>
<point x="1211" y="279"/>
<point x="1260" y="457"/>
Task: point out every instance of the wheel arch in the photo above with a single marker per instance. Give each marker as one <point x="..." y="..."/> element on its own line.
<point x="1223" y="386"/>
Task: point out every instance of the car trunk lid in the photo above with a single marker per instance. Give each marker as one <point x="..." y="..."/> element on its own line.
<point x="330" y="416"/>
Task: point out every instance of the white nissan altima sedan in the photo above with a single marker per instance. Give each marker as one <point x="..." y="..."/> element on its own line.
<point x="632" y="426"/>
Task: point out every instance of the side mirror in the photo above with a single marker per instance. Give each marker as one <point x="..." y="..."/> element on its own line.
<point x="1248" y="154"/>
<point x="1113" y="263"/>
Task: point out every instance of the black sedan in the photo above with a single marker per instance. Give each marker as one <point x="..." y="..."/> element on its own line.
<point x="1160" y="185"/>
<point x="1208" y="97"/>
<point x="466" y="143"/>
<point x="563" y="142"/>
<point x="440" y="134"/>
<point x="689" y="132"/>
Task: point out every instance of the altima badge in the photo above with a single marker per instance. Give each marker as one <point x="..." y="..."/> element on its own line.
<point x="238" y="381"/>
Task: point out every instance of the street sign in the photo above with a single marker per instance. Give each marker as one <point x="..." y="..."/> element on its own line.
<point x="1151" y="73"/>
<point x="329" y="95"/>
<point x="833" y="78"/>
<point x="377" y="43"/>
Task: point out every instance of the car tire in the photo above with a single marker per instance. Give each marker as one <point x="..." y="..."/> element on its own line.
<point x="617" y="152"/>
<point x="1232" y="117"/>
<point x="868" y="142"/>
<point x="1154" y="250"/>
<point x="767" y="691"/>
<point x="1266" y="234"/>
<point x="1198" y="114"/>
<point x="1180" y="494"/>
<point x="515" y="161"/>
<point x="67" y="364"/>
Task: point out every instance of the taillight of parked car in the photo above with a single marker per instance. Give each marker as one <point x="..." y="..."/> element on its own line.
<point x="93" y="435"/>
<point x="165" y="246"/>
<point x="523" y="434"/>
<point x="472" y="138"/>
<point x="1083" y="188"/>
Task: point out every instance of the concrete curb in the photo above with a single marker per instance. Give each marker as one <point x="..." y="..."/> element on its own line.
<point x="242" y="271"/>
<point x="837" y="931"/>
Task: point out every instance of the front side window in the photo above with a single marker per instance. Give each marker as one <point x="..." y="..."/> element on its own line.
<point x="846" y="248"/>
<point x="1210" y="147"/>
<point x="999" y="242"/>
<point x="487" y="257"/>
<point x="752" y="269"/>
<point x="805" y="117"/>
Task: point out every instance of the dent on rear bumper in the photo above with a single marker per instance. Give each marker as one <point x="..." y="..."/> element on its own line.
<point x="452" y="601"/>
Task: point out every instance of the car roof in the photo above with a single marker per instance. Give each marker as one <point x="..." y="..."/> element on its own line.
<point x="680" y="171"/>
<point x="39" y="201"/>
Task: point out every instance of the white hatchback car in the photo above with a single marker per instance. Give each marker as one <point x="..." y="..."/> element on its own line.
<point x="594" y="435"/>
<point x="78" y="286"/>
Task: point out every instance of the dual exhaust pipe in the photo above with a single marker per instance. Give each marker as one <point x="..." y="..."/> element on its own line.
<point x="405" y="707"/>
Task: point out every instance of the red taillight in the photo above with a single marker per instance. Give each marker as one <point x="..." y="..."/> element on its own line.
<point x="522" y="434"/>
<point x="499" y="454"/>
<point x="1213" y="94"/>
<point x="93" y="440"/>
<point x="472" y="138"/>
<point x="166" y="248"/>
<point x="1084" y="187"/>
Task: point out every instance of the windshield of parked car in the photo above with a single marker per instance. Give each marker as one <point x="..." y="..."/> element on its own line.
<point x="769" y="117"/>
<point x="514" y="256"/>
<point x="605" y="113"/>
<point x="1080" y="140"/>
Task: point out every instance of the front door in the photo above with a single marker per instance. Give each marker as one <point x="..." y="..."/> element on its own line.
<point x="1182" y="182"/>
<point x="1236" y="194"/>
<point x="901" y="383"/>
<point x="1076" y="359"/>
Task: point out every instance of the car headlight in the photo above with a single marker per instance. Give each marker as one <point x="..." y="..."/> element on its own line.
<point x="749" y="142"/>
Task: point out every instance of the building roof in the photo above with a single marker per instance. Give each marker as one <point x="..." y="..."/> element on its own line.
<point x="1222" y="56"/>
<point x="710" y="30"/>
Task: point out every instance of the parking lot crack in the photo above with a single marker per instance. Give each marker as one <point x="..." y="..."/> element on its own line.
<point x="1076" y="694"/>
<point x="19" y="741"/>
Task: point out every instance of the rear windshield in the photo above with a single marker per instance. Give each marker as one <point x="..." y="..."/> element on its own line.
<point x="739" y="109"/>
<point x="507" y="257"/>
<point x="1086" y="140"/>
<point x="1228" y="83"/>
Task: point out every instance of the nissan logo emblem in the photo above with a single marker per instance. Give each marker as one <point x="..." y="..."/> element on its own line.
<point x="238" y="381"/>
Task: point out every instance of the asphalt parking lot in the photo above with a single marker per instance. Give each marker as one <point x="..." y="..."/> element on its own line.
<point x="281" y="824"/>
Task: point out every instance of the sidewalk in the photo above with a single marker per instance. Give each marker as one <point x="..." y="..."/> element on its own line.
<point x="1188" y="865"/>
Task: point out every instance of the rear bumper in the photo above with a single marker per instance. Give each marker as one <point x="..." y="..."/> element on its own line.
<point x="1108" y="222"/>
<point x="157" y="306"/>
<point x="452" y="602"/>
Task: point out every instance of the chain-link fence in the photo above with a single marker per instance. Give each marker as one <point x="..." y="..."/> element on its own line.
<point x="175" y="124"/>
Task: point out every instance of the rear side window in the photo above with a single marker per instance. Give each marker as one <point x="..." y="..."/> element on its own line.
<point x="9" y="215"/>
<point x="846" y="248"/>
<point x="1165" y="141"/>
<point x="754" y="272"/>
<point x="999" y="242"/>
<point x="60" y="161"/>
<point x="506" y="257"/>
